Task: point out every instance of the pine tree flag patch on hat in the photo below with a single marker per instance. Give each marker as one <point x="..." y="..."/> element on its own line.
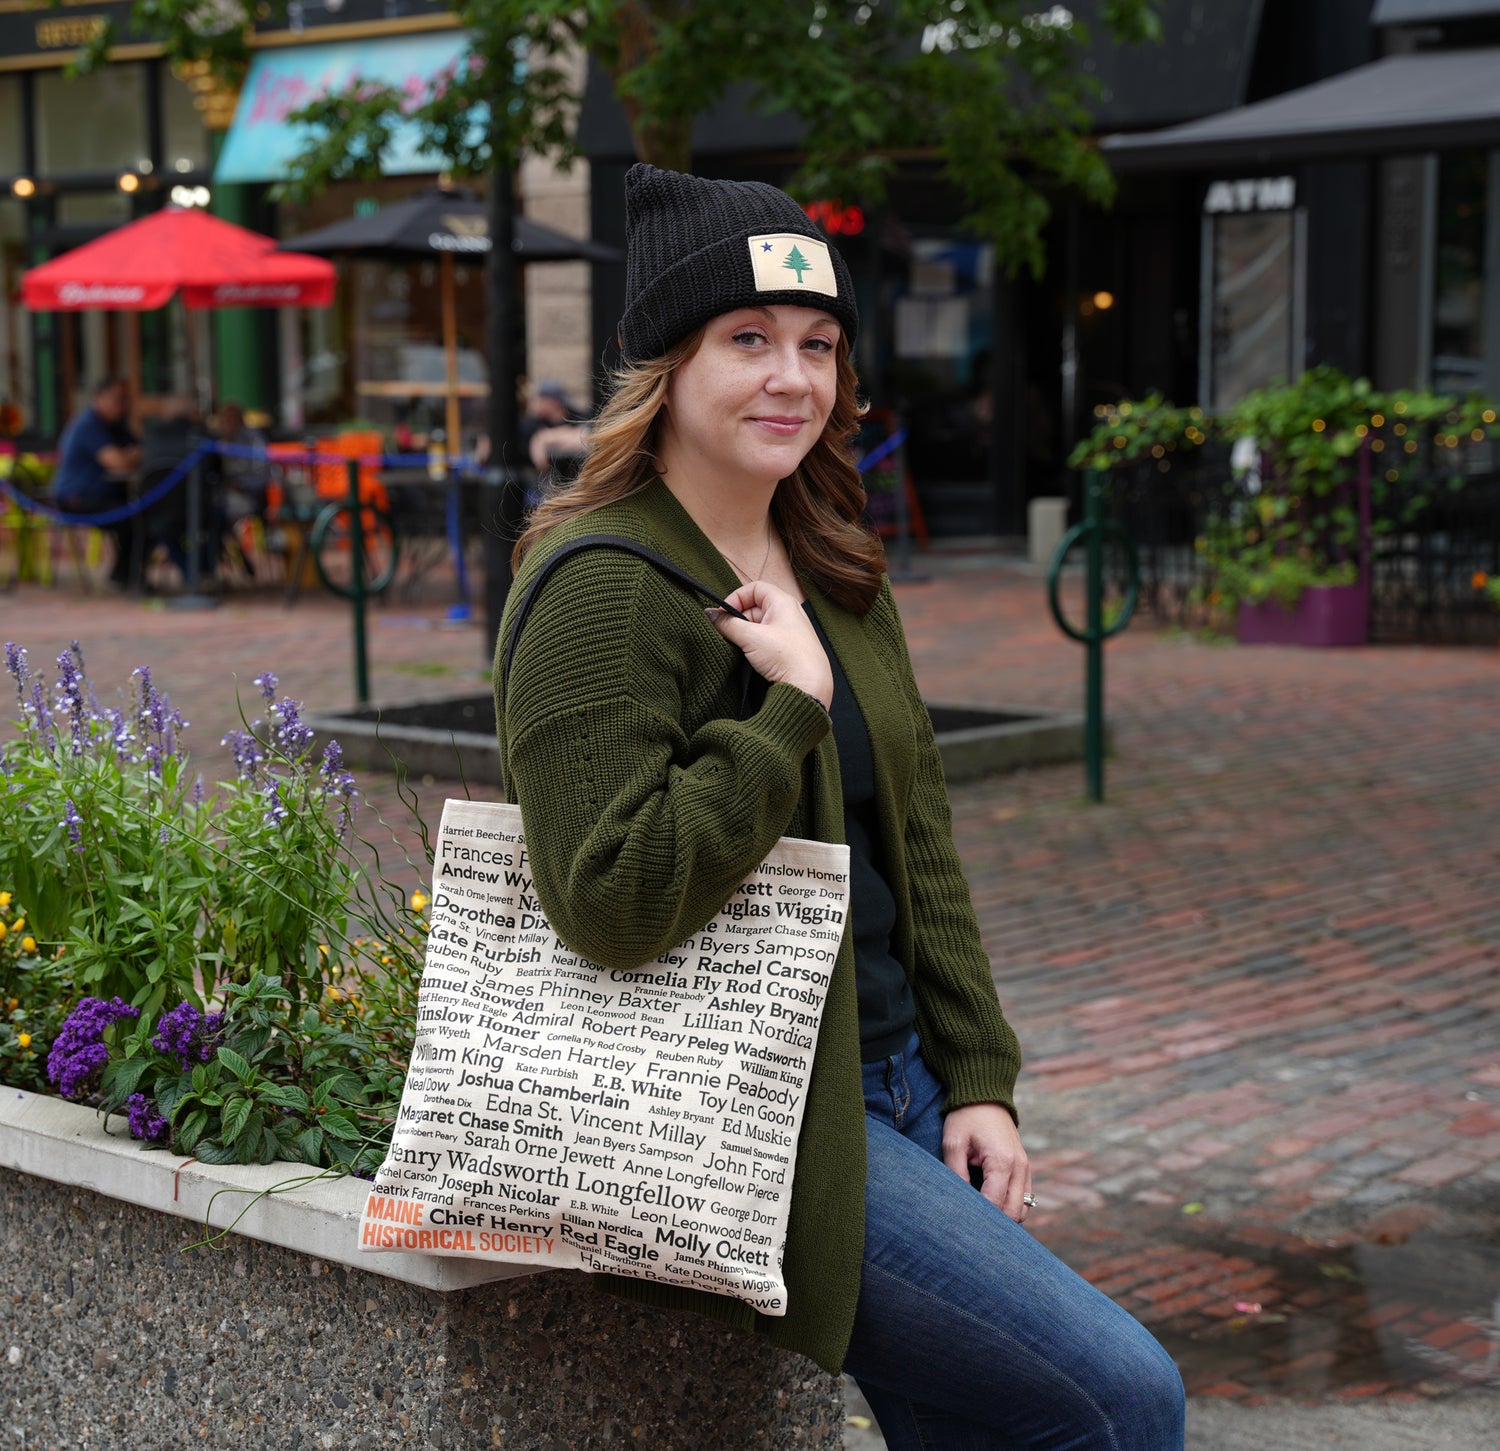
<point x="784" y="260"/>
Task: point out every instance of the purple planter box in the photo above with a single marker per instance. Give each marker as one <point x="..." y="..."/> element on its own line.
<point x="1324" y="615"/>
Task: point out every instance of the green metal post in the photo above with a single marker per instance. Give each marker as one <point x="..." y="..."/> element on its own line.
<point x="1093" y="705"/>
<point x="357" y="586"/>
<point x="237" y="335"/>
<point x="1090" y="533"/>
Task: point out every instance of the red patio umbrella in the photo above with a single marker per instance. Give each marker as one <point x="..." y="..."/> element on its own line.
<point x="213" y="263"/>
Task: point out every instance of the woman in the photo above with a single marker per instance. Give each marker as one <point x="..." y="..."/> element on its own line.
<point x="648" y="794"/>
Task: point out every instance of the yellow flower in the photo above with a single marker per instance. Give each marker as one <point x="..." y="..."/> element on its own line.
<point x="334" y="994"/>
<point x="2" y="932"/>
<point x="28" y="944"/>
<point x="19" y="925"/>
<point x="13" y="1004"/>
<point x="4" y="899"/>
<point x="24" y="1039"/>
<point x="419" y="900"/>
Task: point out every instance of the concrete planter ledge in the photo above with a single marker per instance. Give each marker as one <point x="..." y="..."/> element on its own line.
<point x="444" y="738"/>
<point x="117" y="1336"/>
<point x="69" y="1144"/>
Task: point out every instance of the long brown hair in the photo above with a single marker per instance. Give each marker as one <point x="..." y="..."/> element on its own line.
<point x="817" y="508"/>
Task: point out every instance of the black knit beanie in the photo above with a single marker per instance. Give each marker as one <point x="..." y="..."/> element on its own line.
<point x="695" y="248"/>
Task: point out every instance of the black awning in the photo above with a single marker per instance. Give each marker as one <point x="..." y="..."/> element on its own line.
<point x="1429" y="101"/>
<point x="1425" y="12"/>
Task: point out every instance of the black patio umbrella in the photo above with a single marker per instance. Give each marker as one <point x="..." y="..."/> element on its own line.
<point x="445" y="223"/>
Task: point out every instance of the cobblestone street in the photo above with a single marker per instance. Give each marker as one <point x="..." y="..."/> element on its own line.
<point x="1259" y="989"/>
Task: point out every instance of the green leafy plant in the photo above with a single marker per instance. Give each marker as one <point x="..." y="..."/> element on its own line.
<point x="1136" y="429"/>
<point x="1290" y="519"/>
<point x="995" y="91"/>
<point x="33" y="999"/>
<point x="233" y="972"/>
<point x="257" y="1082"/>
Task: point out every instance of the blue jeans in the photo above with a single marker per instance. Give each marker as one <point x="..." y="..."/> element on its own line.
<point x="970" y="1336"/>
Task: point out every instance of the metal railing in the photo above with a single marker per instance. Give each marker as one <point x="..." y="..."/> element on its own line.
<point x="1434" y="541"/>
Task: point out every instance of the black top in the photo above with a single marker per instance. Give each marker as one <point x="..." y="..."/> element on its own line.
<point x="887" y="1015"/>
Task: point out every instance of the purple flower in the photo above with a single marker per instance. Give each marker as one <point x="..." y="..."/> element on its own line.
<point x="119" y="735"/>
<point x="188" y="1035"/>
<point x="248" y="756"/>
<point x="78" y="1053"/>
<point x="292" y="734"/>
<point x="198" y="789"/>
<point x="155" y="717"/>
<point x="15" y="662"/>
<point x="275" y="806"/>
<point x="268" y="684"/>
<point x="74" y="822"/>
<point x="41" y="715"/>
<point x="70" y="700"/>
<point x="336" y="780"/>
<point x="145" y="1121"/>
<point x="164" y="836"/>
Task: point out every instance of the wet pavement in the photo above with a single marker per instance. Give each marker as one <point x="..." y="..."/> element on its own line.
<point x="1259" y="989"/>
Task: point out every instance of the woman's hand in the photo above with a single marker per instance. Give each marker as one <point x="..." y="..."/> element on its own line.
<point x="778" y="639"/>
<point x="984" y="1136"/>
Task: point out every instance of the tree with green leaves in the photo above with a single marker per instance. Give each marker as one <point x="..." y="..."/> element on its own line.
<point x="991" y="89"/>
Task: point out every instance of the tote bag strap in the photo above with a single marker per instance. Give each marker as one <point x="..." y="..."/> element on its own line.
<point x="660" y="562"/>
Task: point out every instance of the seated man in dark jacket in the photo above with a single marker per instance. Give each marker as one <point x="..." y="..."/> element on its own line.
<point x="96" y="449"/>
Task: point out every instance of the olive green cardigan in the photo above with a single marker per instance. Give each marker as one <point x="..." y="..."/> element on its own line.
<point x="646" y="803"/>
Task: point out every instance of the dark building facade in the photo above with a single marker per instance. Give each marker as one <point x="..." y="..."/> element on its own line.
<point x="1218" y="269"/>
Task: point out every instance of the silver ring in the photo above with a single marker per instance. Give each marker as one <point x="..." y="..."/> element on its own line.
<point x="1029" y="1200"/>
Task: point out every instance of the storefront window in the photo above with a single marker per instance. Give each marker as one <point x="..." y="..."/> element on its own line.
<point x="184" y="137"/>
<point x="377" y="356"/>
<point x="1458" y="304"/>
<point x="1252" y="310"/>
<point x="12" y="155"/>
<point x="92" y="123"/>
<point x="939" y="376"/>
<point x="17" y="410"/>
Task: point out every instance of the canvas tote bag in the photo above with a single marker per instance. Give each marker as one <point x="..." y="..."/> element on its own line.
<point x="561" y="1115"/>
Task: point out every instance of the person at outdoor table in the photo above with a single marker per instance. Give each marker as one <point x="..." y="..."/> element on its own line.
<point x="651" y="786"/>
<point x="552" y="426"/>
<point x="96" y="451"/>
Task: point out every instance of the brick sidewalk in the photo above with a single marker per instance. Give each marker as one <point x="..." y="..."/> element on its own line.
<point x="1258" y="989"/>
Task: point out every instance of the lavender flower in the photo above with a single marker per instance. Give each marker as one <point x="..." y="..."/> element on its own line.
<point x="145" y="1120"/>
<point x="275" y="806"/>
<point x="74" y="822"/>
<point x="292" y="734"/>
<point x="268" y="683"/>
<point x="119" y="735"/>
<point x="39" y="713"/>
<point x="70" y="700"/>
<point x="336" y="780"/>
<point x="155" y="717"/>
<point x="188" y="1035"/>
<point x="15" y="662"/>
<point x="248" y="756"/>
<point x="198" y="789"/>
<point x="164" y="836"/>
<point x="78" y="1053"/>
